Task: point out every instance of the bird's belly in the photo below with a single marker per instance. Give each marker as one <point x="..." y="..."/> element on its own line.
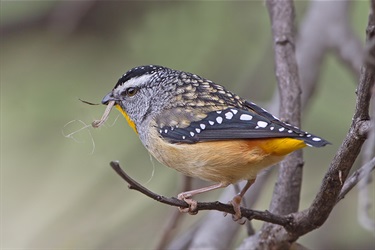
<point x="218" y="161"/>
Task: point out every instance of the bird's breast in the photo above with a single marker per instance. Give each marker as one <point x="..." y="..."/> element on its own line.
<point x="219" y="161"/>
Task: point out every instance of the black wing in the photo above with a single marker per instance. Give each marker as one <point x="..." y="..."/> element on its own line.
<point x="235" y="123"/>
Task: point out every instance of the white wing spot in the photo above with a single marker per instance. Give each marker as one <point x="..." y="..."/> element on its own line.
<point x="316" y="139"/>
<point x="262" y="124"/>
<point x="198" y="130"/>
<point x="166" y="131"/>
<point x="308" y="135"/>
<point x="308" y="144"/>
<point x="229" y="115"/>
<point x="290" y="131"/>
<point x="211" y="122"/>
<point x="202" y="126"/>
<point x="192" y="133"/>
<point x="256" y="127"/>
<point x="246" y="117"/>
<point x="161" y="131"/>
<point x="234" y="111"/>
<point x="219" y="119"/>
<point x="219" y="111"/>
<point x="183" y="137"/>
<point x="272" y="128"/>
<point x="281" y="129"/>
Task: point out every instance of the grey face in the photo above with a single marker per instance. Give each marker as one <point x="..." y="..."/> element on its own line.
<point x="135" y="97"/>
<point x="143" y="94"/>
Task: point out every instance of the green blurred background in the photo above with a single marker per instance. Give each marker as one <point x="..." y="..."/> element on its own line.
<point x="57" y="192"/>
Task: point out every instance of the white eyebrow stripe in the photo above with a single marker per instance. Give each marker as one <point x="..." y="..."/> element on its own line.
<point x="133" y="82"/>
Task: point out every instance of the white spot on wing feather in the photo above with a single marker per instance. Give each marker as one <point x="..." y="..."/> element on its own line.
<point x="246" y="117"/>
<point x="262" y="124"/>
<point x="219" y="119"/>
<point x="228" y="115"/>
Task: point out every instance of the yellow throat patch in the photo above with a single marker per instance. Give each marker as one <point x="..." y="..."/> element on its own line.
<point x="130" y="122"/>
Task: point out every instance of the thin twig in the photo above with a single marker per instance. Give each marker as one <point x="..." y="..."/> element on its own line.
<point x="136" y="186"/>
<point x="358" y="175"/>
<point x="250" y="214"/>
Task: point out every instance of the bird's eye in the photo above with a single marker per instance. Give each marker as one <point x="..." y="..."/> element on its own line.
<point x="130" y="91"/>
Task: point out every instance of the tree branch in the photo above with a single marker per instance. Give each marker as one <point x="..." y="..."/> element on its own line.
<point x="287" y="190"/>
<point x="358" y="175"/>
<point x="286" y="193"/>
<point x="343" y="161"/>
<point x="365" y="200"/>
<point x="226" y="208"/>
<point x="313" y="217"/>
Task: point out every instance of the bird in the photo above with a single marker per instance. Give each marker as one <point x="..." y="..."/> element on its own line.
<point x="203" y="130"/>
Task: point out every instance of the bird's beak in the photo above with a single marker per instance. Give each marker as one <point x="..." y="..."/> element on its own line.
<point x="107" y="98"/>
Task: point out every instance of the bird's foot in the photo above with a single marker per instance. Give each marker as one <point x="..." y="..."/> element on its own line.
<point x="192" y="209"/>
<point x="236" y="203"/>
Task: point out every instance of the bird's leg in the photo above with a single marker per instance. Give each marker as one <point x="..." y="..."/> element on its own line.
<point x="186" y="196"/>
<point x="236" y="201"/>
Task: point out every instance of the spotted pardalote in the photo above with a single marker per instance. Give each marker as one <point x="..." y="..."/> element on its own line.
<point x="201" y="129"/>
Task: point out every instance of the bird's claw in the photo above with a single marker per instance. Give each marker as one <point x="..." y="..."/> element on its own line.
<point x="192" y="209"/>
<point x="236" y="203"/>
